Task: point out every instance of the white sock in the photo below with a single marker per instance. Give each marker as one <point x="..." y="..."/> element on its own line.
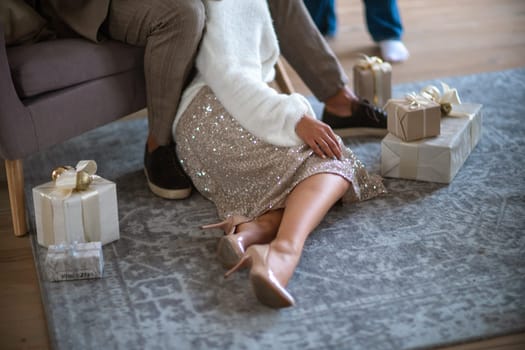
<point x="393" y="50"/>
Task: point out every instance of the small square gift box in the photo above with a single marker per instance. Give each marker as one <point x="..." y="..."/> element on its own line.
<point x="414" y="117"/>
<point x="73" y="261"/>
<point x="373" y="80"/>
<point x="435" y="159"/>
<point x="77" y="206"/>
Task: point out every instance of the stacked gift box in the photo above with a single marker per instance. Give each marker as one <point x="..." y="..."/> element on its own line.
<point x="431" y="134"/>
<point x="75" y="215"/>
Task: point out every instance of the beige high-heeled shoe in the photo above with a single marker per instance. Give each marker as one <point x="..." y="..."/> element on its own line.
<point x="230" y="248"/>
<point x="267" y="288"/>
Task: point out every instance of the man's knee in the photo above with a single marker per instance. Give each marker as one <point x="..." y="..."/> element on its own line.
<point x="194" y="14"/>
<point x="188" y="16"/>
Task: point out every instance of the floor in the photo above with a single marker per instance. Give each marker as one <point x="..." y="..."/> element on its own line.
<point x="445" y="38"/>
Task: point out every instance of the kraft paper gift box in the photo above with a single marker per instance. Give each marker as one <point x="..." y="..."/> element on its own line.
<point x="66" y="213"/>
<point x="436" y="159"/>
<point x="413" y="118"/>
<point x="74" y="261"/>
<point x="373" y="80"/>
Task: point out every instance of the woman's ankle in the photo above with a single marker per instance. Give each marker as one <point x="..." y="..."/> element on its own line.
<point x="285" y="247"/>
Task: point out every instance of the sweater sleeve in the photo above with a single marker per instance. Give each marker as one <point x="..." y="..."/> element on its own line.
<point x="230" y="60"/>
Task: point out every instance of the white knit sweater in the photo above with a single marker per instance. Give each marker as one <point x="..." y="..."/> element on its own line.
<point x="236" y="60"/>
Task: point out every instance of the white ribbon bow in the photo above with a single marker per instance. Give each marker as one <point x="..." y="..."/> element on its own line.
<point x="416" y="101"/>
<point x="372" y="62"/>
<point x="446" y="99"/>
<point x="77" y="178"/>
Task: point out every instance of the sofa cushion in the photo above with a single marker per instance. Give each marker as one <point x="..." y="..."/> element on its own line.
<point x="56" y="64"/>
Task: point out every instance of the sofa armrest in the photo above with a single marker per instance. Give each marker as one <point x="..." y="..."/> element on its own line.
<point x="17" y="134"/>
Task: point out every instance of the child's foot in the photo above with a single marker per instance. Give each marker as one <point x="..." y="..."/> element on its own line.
<point x="393" y="50"/>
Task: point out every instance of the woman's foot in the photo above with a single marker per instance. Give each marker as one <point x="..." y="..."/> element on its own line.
<point x="393" y="51"/>
<point x="269" y="275"/>
<point x="261" y="230"/>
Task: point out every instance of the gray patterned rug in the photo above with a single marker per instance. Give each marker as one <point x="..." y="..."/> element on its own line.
<point x="424" y="266"/>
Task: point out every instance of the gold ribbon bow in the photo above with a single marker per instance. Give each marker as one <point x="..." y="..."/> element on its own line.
<point x="446" y="99"/>
<point x="68" y="179"/>
<point x="371" y="62"/>
<point x="416" y="100"/>
<point x="377" y="66"/>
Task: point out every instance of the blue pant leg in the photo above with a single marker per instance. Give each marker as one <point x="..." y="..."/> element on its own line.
<point x="323" y="14"/>
<point x="383" y="19"/>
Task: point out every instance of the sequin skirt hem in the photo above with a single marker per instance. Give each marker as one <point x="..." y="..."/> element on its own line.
<point x="245" y="176"/>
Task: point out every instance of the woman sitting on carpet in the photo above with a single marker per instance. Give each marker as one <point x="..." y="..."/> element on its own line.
<point x="270" y="167"/>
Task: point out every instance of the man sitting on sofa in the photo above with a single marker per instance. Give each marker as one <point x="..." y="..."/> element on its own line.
<point x="170" y="32"/>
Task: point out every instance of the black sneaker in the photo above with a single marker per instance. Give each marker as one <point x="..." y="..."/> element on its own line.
<point x="164" y="174"/>
<point x="366" y="120"/>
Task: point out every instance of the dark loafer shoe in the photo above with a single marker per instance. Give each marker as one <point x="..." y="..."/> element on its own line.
<point x="366" y="120"/>
<point x="165" y="175"/>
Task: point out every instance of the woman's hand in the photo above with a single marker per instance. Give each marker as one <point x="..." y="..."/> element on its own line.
<point x="319" y="136"/>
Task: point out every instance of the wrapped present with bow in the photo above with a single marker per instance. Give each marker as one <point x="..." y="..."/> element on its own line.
<point x="77" y="206"/>
<point x="451" y="106"/>
<point x="435" y="159"/>
<point x="73" y="261"/>
<point x="373" y="80"/>
<point x="414" y="117"/>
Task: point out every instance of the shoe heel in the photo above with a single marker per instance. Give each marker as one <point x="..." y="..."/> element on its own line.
<point x="217" y="225"/>
<point x="226" y="225"/>
<point x="245" y="260"/>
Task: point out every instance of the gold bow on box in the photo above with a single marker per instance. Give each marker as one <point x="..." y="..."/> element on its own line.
<point x="372" y="62"/>
<point x="416" y="101"/>
<point x="68" y="179"/>
<point x="446" y="99"/>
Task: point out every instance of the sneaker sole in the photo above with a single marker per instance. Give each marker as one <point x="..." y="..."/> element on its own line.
<point x="346" y="132"/>
<point x="168" y="194"/>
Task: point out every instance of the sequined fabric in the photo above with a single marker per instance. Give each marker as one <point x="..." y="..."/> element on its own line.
<point x="245" y="176"/>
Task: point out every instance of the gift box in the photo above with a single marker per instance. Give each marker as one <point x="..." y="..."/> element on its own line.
<point x="78" y="206"/>
<point x="373" y="80"/>
<point x="473" y="112"/>
<point x="74" y="261"/>
<point x="413" y="117"/>
<point x="436" y="159"/>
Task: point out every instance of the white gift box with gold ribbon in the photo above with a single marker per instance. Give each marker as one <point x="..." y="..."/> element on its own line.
<point x="435" y="159"/>
<point x="74" y="261"/>
<point x="373" y="80"/>
<point x="78" y="206"/>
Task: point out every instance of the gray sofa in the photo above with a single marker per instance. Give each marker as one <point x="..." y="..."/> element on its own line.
<point x="53" y="90"/>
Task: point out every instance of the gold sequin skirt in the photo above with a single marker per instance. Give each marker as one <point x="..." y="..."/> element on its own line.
<point x="245" y="176"/>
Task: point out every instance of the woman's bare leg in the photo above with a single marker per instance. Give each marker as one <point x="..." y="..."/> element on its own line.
<point x="306" y="207"/>
<point x="272" y="265"/>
